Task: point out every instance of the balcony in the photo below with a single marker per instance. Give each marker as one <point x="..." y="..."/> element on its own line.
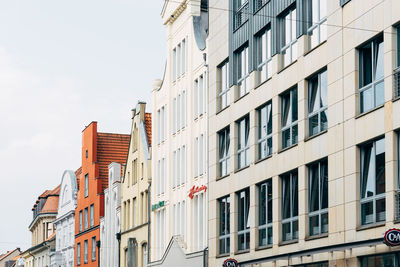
<point x="241" y="15"/>
<point x="396" y="82"/>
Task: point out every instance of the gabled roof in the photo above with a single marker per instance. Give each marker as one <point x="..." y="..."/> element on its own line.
<point x="2" y="257"/>
<point x="111" y="148"/>
<point x="51" y="197"/>
<point x="147" y="123"/>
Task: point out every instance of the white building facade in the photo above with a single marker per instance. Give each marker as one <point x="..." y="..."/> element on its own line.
<point x="179" y="183"/>
<point x="110" y="223"/>
<point x="65" y="222"/>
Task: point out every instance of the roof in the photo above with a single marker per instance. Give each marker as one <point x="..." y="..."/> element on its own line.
<point x="51" y="237"/>
<point x="111" y="148"/>
<point x="147" y="123"/>
<point x="8" y="254"/>
<point x="52" y="197"/>
<point x="78" y="173"/>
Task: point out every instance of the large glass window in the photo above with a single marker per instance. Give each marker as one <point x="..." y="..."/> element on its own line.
<point x="264" y="58"/>
<point x="86" y="185"/>
<point x="288" y="37"/>
<point x="243" y="234"/>
<point x="371" y="74"/>
<point x="223" y="151"/>
<point x="265" y="130"/>
<point x="317" y="103"/>
<point x="242" y="70"/>
<point x="265" y="214"/>
<point x="317" y="30"/>
<point x="224" y="225"/>
<point x="243" y="153"/>
<point x="373" y="205"/>
<point x="85" y="252"/>
<point x="93" y="248"/>
<point x="259" y="4"/>
<point x="290" y="208"/>
<point x="386" y="260"/>
<point x="224" y="94"/>
<point x="289" y="118"/>
<point x="318" y="264"/>
<point x="318" y="197"/>
<point x="241" y="12"/>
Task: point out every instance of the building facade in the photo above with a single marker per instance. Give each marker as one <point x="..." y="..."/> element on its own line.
<point x="9" y="258"/>
<point x="304" y="124"/>
<point x="110" y="223"/>
<point x="63" y="256"/>
<point x="135" y="192"/>
<point x="98" y="151"/>
<point x="178" y="196"/>
<point x="42" y="229"/>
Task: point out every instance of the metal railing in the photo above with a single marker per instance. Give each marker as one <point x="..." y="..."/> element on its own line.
<point x="396" y="82"/>
<point x="242" y="15"/>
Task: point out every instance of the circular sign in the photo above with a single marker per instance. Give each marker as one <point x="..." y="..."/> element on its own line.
<point x="392" y="237"/>
<point x="230" y="263"/>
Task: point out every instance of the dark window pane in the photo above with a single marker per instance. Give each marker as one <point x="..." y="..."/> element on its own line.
<point x="380" y="166"/>
<point x="324" y="185"/>
<point x="366" y="100"/>
<point x="367" y="213"/>
<point x="324" y="223"/>
<point x="381" y="210"/>
<point x="294" y="135"/>
<point x="366" y="65"/>
<point x="314" y="225"/>
<point x="262" y="237"/>
<point x="314" y="187"/>
<point x="286" y="138"/>
<point x="313" y="124"/>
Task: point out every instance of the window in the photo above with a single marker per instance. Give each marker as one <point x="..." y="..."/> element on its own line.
<point x="174" y="116"/>
<point x="290" y="209"/>
<point x="264" y="130"/>
<point x="91" y="215"/>
<point x="241" y="12"/>
<point x="144" y="255"/>
<point x="174" y="169"/>
<point x="317" y="30"/>
<point x="174" y="76"/>
<point x="86" y="219"/>
<point x="178" y="113"/>
<point x="223" y="151"/>
<point x="198" y="97"/>
<point x="198" y="233"/>
<point x="178" y="167"/>
<point x="201" y="95"/>
<point x="183" y="177"/>
<point x="371" y="74"/>
<point x="398" y="47"/>
<point x="289" y="118"/>
<point x="183" y="69"/>
<point x="396" y="78"/>
<point x="242" y="70"/>
<point x="158" y="127"/>
<point x="224" y="225"/>
<point x="93" y="248"/>
<point x="223" y="78"/>
<point x="373" y="206"/>
<point x="259" y="4"/>
<point x="288" y="37"/>
<point x="201" y="155"/>
<point x="318" y="197"/>
<point x="243" y="220"/>
<point x="319" y="264"/>
<point x="85" y="252"/>
<point x="196" y="157"/>
<point x="178" y="60"/>
<point x="80" y="221"/>
<point x="317" y="103"/>
<point x="264" y="56"/>
<point x="78" y="253"/>
<point x="195" y="99"/>
<point x="243" y="153"/>
<point x="86" y="185"/>
<point x="134" y="215"/>
<point x="183" y="114"/>
<point x="265" y="214"/>
<point x="380" y="260"/>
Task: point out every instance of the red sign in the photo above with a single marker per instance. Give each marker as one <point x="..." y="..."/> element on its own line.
<point x="230" y="263"/>
<point x="392" y="237"/>
<point x="196" y="189"/>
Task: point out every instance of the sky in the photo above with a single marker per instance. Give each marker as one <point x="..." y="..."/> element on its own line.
<point x="64" y="64"/>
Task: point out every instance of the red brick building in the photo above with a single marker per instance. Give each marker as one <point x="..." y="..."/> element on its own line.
<point x="98" y="151"/>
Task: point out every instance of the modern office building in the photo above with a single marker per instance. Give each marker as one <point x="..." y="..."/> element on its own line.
<point x="178" y="232"/>
<point x="304" y="123"/>
<point x="135" y="192"/>
<point x="110" y="225"/>
<point x="98" y="151"/>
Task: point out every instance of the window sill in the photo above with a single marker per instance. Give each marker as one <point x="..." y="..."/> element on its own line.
<point x="370" y="111"/>
<point x="241" y="97"/>
<point x="241" y="252"/>
<point x="220" y="110"/>
<point x="286" y="67"/>
<point x="315" y="135"/>
<point x="264" y="82"/>
<point x="316" y="237"/>
<point x="241" y="169"/>
<point x="222" y="255"/>
<point x="263" y="247"/>
<point x="222" y="177"/>
<point x="315" y="48"/>
<point x="263" y="159"/>
<point x="287" y="148"/>
<point x="370" y="226"/>
<point x="285" y="243"/>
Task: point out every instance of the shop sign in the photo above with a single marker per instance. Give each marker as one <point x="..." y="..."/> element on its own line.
<point x="230" y="263"/>
<point x="392" y="237"/>
<point x="157" y="206"/>
<point x="196" y="189"/>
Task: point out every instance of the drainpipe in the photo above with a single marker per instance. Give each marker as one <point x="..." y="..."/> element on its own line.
<point x="205" y="257"/>
<point x="98" y="252"/>
<point x="148" y="222"/>
<point x="118" y="235"/>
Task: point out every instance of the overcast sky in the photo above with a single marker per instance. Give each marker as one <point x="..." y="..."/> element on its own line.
<point x="64" y="64"/>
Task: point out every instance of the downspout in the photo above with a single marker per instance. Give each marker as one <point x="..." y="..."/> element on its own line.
<point x="98" y="252"/>
<point x="148" y="222"/>
<point x="205" y="256"/>
<point x="118" y="235"/>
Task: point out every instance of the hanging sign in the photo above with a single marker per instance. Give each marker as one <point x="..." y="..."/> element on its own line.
<point x="392" y="237"/>
<point x="230" y="263"/>
<point x="158" y="205"/>
<point x="196" y="189"/>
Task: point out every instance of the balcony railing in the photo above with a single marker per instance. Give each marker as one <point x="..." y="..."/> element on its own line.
<point x="242" y="15"/>
<point x="396" y="83"/>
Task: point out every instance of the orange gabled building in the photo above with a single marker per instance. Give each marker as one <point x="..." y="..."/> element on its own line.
<point x="98" y="151"/>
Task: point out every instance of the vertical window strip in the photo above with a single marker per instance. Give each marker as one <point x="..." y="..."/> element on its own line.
<point x="224" y="225"/>
<point x="243" y="234"/>
<point x="224" y="151"/>
<point x="265" y="214"/>
<point x="174" y="116"/>
<point x="265" y="131"/>
<point x="317" y="17"/>
<point x="317" y="103"/>
<point x="174" y="64"/>
<point x="224" y="93"/>
<point x="201" y="95"/>
<point x="195" y="99"/>
<point x="289" y="38"/>
<point x="178" y="113"/>
<point x="242" y="70"/>
<point x="201" y="155"/>
<point x="264" y="56"/>
<point x="289" y="117"/>
<point x="196" y="155"/>
<point x="243" y="153"/>
<point x="290" y="225"/>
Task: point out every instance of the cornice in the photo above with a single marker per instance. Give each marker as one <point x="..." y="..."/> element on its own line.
<point x="178" y="11"/>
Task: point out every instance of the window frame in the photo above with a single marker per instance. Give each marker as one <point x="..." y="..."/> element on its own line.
<point x="320" y="211"/>
<point x="86" y="185"/>
<point x="293" y="123"/>
<point x="268" y="225"/>
<point x="321" y="109"/>
<point x="267" y="62"/>
<point x="316" y="25"/>
<point x="80" y="220"/>
<point x="223" y="91"/>
<point x="91" y="215"/>
<point x="242" y="80"/>
<point x="225" y="158"/>
<point x="375" y="197"/>
<point x="268" y="136"/>
<point x="85" y="252"/>
<point x="86" y="218"/>
<point x="245" y="232"/>
<point x="258" y="4"/>
<point x="224" y="219"/>
<point x="375" y="83"/>
<point x="245" y="148"/>
<point x="93" y="250"/>
<point x="290" y="45"/>
<point x="241" y="14"/>
<point x="78" y="253"/>
<point x="293" y="218"/>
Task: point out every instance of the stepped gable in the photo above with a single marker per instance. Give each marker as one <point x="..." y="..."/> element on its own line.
<point x="110" y="148"/>
<point x="147" y="122"/>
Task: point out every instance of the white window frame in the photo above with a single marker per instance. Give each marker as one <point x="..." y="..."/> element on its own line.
<point x="195" y="99"/>
<point x="224" y="234"/>
<point x="174" y="76"/>
<point x="267" y="225"/>
<point x="321" y="108"/>
<point x="196" y="157"/>
<point x="289" y="45"/>
<point x="263" y="141"/>
<point x="293" y="218"/>
<point x="242" y="71"/>
<point x="245" y="194"/>
<point x="223" y="85"/>
<point x="292" y="124"/>
<point x="224" y="160"/>
<point x="201" y="155"/>
<point x="264" y="56"/>
<point x="317" y="22"/>
<point x="243" y="148"/>
<point x="174" y="116"/>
